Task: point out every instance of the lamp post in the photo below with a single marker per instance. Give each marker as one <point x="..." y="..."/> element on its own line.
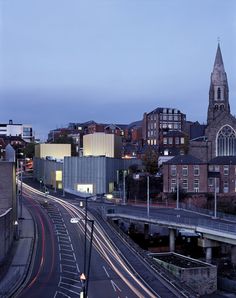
<point x="124" y="194"/>
<point x="177" y="193"/>
<point x="148" y="197"/>
<point x="215" y="201"/>
<point x="21" y="182"/>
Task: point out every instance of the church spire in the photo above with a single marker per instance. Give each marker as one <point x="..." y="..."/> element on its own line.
<point x="219" y="90"/>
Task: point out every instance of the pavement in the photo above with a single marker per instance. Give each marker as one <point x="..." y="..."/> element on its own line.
<point x="20" y="262"/>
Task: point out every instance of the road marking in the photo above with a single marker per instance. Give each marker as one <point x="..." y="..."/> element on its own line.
<point x="70" y="285"/>
<point x="70" y="290"/>
<point x="58" y="292"/>
<point x="68" y="260"/>
<point x="70" y="272"/>
<point x="67" y="255"/>
<point x="106" y="271"/>
<point x="74" y="280"/>
<point x="114" y="286"/>
<point x="69" y="266"/>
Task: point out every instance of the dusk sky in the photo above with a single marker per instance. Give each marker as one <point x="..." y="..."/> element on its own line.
<point x="110" y="61"/>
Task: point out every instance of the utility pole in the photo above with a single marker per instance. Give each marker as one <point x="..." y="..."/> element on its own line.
<point x="21" y="182"/>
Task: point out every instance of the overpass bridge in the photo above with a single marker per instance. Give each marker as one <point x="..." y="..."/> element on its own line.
<point x="213" y="231"/>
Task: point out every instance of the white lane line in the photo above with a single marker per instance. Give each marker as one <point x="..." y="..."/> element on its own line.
<point x="70" y="285"/>
<point x="64" y="237"/>
<point x="67" y="260"/>
<point x="66" y="265"/>
<point x="114" y="286"/>
<point x="66" y="245"/>
<point x="64" y="241"/>
<point x="67" y="255"/>
<point x="71" y="279"/>
<point x="60" y="268"/>
<point x="70" y="272"/>
<point x="74" y="256"/>
<point x="106" y="271"/>
<point x="58" y="292"/>
<point x="70" y="291"/>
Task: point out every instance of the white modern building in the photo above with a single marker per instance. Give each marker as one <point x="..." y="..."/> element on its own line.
<point x="102" y="144"/>
<point x="17" y="130"/>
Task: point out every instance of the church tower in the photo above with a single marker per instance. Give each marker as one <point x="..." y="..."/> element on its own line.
<point x="219" y="91"/>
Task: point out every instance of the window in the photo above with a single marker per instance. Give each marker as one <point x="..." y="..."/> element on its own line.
<point x="170" y="141"/>
<point x="176" y="118"/>
<point x="154" y="142"/>
<point x="164" y="117"/>
<point x="181" y="140"/>
<point x="210" y="182"/>
<point x="226" y="141"/>
<point x="210" y="168"/>
<point x="196" y="185"/>
<point x="173" y="170"/>
<point x="175" y="126"/>
<point x="170" y="111"/>
<point x="217" y="168"/>
<point x="173" y="185"/>
<point x="196" y="170"/>
<point x="170" y="125"/>
<point x="177" y="140"/>
<point x="165" y="141"/>
<point x="185" y="184"/>
<point x="185" y="170"/>
<point x="166" y="152"/>
<point x="170" y="117"/>
<point x="226" y="186"/>
<point x="226" y="170"/>
<point x="218" y="93"/>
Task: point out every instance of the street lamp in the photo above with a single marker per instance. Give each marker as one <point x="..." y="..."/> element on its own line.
<point x="215" y="201"/>
<point x="84" y="277"/>
<point x="148" y="197"/>
<point x="177" y="192"/>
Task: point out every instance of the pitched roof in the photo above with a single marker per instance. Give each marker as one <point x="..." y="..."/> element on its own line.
<point x="184" y="159"/>
<point x="223" y="160"/>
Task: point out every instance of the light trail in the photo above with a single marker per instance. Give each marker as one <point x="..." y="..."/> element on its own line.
<point x="101" y="242"/>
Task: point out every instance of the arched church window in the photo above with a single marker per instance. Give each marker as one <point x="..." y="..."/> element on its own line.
<point x="218" y="93"/>
<point x="226" y="141"/>
<point x="216" y="107"/>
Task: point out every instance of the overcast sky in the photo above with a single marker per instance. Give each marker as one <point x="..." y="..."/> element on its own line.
<point x="110" y="61"/>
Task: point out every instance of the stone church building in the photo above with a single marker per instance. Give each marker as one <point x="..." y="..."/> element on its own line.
<point x="220" y="133"/>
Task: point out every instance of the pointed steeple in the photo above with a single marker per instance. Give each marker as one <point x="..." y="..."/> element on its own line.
<point x="219" y="64"/>
<point x="219" y="90"/>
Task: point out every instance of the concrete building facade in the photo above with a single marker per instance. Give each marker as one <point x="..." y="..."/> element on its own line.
<point x="97" y="144"/>
<point x="54" y="151"/>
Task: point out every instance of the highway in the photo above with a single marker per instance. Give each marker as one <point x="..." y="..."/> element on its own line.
<point x="59" y="256"/>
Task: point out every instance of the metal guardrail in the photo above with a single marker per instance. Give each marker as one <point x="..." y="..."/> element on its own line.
<point x="213" y="224"/>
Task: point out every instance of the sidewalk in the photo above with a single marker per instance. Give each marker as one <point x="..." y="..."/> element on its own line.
<point x="19" y="266"/>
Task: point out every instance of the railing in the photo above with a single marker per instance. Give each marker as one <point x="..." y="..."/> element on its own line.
<point x="179" y="219"/>
<point x="221" y="215"/>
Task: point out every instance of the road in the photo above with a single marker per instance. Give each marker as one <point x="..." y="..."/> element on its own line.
<point x="59" y="256"/>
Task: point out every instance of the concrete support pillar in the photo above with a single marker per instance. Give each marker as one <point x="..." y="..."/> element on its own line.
<point x="172" y="240"/>
<point x="208" y="254"/>
<point x="146" y="231"/>
<point x="233" y="254"/>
